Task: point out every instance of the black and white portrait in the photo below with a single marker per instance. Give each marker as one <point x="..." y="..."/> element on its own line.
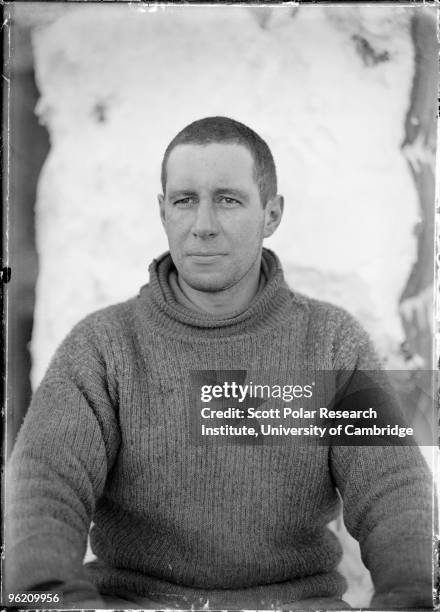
<point x="212" y="197"/>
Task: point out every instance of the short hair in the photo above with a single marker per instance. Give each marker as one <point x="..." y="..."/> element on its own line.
<point x="225" y="130"/>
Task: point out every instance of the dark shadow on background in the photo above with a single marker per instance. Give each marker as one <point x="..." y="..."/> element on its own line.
<point x="28" y="145"/>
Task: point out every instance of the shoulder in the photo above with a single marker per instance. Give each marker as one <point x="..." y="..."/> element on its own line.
<point x="114" y="317"/>
<point x="93" y="352"/>
<point x="325" y="314"/>
<point x="350" y="343"/>
<point x="100" y="332"/>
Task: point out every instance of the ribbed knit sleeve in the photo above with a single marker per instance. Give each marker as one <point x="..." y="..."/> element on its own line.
<point x="387" y="495"/>
<point x="58" y="469"/>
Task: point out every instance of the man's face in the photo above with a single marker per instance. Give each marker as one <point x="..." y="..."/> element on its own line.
<point x="213" y="215"/>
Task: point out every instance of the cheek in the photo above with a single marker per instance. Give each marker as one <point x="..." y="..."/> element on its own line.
<point x="249" y="234"/>
<point x="175" y="231"/>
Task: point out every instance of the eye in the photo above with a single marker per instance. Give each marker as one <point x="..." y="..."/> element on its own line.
<point x="228" y="202"/>
<point x="185" y="202"/>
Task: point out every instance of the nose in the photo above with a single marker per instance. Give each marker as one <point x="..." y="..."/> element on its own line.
<point x="205" y="222"/>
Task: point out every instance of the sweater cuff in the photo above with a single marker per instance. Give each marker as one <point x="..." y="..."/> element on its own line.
<point x="415" y="596"/>
<point x="43" y="560"/>
<point x="400" y="563"/>
<point x="402" y="574"/>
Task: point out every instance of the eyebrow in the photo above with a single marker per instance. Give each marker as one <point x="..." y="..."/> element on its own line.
<point x="231" y="190"/>
<point x="220" y="190"/>
<point x="181" y="193"/>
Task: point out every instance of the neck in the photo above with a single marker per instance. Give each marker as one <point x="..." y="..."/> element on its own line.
<point x="227" y="301"/>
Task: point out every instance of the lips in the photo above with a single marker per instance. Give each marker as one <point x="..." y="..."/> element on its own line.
<point x="203" y="254"/>
<point x="205" y="258"/>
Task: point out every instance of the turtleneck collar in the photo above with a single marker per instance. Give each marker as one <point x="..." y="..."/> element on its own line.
<point x="268" y="309"/>
<point x="183" y="300"/>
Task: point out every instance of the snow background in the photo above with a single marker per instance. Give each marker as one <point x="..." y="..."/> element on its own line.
<point x="118" y="81"/>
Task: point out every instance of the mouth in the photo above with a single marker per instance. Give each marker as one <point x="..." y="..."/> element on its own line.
<point x="205" y="258"/>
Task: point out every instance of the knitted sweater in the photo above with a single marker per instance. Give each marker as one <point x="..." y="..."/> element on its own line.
<point x="106" y="440"/>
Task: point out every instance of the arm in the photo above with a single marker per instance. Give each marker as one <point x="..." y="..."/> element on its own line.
<point x="387" y="495"/>
<point x="387" y="507"/>
<point x="58" y="470"/>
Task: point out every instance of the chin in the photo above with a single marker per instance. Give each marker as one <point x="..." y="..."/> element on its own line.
<point x="209" y="280"/>
<point x="210" y="285"/>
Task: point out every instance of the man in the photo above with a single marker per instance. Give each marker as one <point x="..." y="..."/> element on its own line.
<point x="110" y="435"/>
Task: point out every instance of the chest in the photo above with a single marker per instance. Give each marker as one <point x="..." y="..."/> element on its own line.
<point x="162" y="451"/>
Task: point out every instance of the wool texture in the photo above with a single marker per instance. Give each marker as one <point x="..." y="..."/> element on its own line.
<point x="107" y="439"/>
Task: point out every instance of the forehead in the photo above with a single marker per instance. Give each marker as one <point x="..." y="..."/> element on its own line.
<point x="226" y="164"/>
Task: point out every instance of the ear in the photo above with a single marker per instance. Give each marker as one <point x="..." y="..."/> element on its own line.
<point x="273" y="214"/>
<point x="161" y="200"/>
